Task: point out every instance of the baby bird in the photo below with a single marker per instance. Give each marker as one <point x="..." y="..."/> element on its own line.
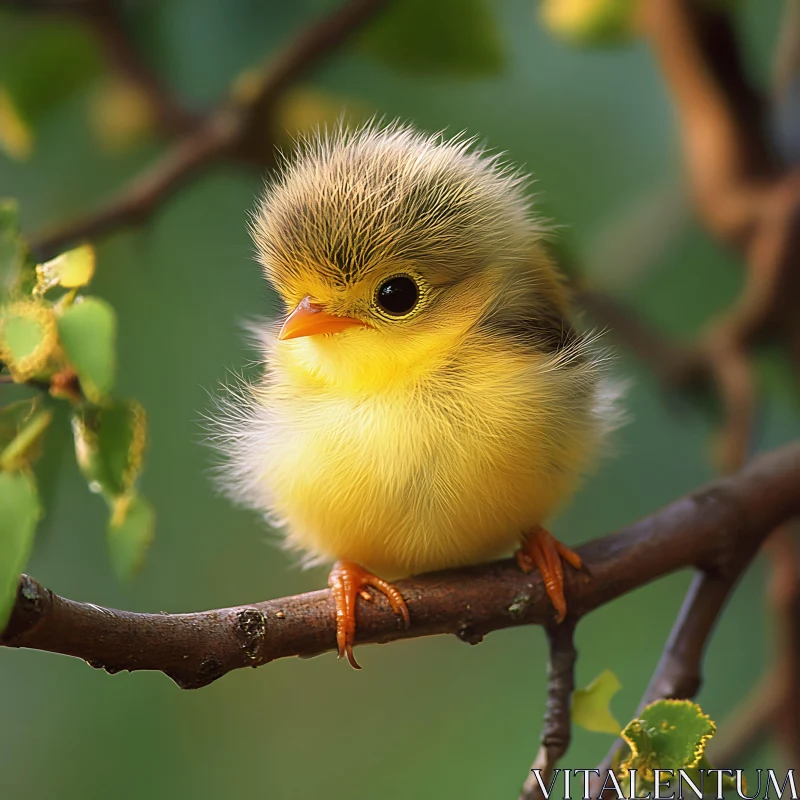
<point x="426" y="402"/>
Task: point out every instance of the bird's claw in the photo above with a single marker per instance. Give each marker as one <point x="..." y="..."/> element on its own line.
<point x="349" y="581"/>
<point x="540" y="549"/>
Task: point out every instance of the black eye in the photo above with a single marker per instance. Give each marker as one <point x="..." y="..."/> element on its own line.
<point x="398" y="295"/>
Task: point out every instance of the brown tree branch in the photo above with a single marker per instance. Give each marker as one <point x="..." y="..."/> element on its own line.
<point x="746" y="197"/>
<point x="721" y="119"/>
<point x="557" y="729"/>
<point x="786" y="83"/>
<point x="717" y="528"/>
<point x="237" y="128"/>
<point x="145" y="193"/>
<point x="782" y="548"/>
<point x="749" y="724"/>
<point x="679" y="672"/>
<point x="222" y="134"/>
<point x="675" y="365"/>
<point x="787" y="52"/>
<point x="751" y="203"/>
<point x="106" y="21"/>
<point x="772" y="706"/>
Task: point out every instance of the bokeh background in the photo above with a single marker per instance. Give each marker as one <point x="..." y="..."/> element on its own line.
<point x="428" y="718"/>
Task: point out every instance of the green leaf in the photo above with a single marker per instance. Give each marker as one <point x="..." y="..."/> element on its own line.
<point x="694" y="774"/>
<point x="19" y="513"/>
<point x="24" y="447"/>
<point x="12" y="247"/>
<point x="109" y="443"/>
<point x="88" y="331"/>
<point x="448" y="37"/>
<point x="590" y="706"/>
<point x="668" y="734"/>
<point x="130" y="532"/>
<point x="23" y="335"/>
<point x="16" y="138"/>
<point x="28" y="338"/>
<point x="45" y="62"/>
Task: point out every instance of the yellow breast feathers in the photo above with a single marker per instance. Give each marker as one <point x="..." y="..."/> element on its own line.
<point x="448" y="466"/>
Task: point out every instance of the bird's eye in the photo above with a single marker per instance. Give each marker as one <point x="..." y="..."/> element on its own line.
<point x="398" y="295"/>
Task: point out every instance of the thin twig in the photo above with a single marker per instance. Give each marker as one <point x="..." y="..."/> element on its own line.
<point x="557" y="729"/>
<point x="772" y="706"/>
<point x="742" y="731"/>
<point x="676" y="366"/>
<point x="105" y="19"/>
<point x="679" y="672"/>
<point x="745" y="196"/>
<point x="145" y="193"/>
<point x="782" y="548"/>
<point x="236" y="128"/>
<point x="786" y="83"/>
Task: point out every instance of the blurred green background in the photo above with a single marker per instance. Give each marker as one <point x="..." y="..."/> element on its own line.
<point x="429" y="718"/>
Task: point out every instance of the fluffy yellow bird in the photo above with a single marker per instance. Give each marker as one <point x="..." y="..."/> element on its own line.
<point x="426" y="402"/>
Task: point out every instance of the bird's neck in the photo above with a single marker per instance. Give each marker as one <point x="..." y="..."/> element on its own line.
<point x="366" y="362"/>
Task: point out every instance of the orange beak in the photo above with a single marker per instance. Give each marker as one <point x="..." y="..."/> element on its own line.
<point x="309" y="319"/>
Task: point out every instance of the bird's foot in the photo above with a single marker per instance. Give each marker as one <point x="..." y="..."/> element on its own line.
<point x="542" y="550"/>
<point x="348" y="581"/>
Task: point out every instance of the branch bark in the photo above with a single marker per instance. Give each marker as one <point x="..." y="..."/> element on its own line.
<point x="718" y="529"/>
<point x="557" y="729"/>
<point x="106" y="20"/>
<point x="748" y="725"/>
<point x="237" y="128"/>
<point x="785" y="599"/>
<point x="750" y="200"/>
<point x="746" y="196"/>
<point x="679" y="671"/>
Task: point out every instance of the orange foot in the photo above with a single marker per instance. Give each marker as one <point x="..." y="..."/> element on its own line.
<point x="349" y="580"/>
<point x="541" y="549"/>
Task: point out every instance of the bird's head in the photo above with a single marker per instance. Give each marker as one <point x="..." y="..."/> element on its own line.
<point x="387" y="247"/>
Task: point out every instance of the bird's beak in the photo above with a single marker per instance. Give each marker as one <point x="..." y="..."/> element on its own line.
<point x="309" y="319"/>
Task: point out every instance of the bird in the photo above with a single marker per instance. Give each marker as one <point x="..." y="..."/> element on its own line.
<point x="426" y="400"/>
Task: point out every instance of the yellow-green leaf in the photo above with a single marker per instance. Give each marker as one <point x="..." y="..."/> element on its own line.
<point x="23" y="334"/>
<point x="16" y="139"/>
<point x="121" y="114"/>
<point x="71" y="270"/>
<point x="88" y="331"/>
<point x="24" y="447"/>
<point x="591" y="706"/>
<point x="28" y="338"/>
<point x="19" y="513"/>
<point x="590" y="22"/>
<point x="46" y="63"/>
<point x="14" y="417"/>
<point x="671" y="734"/>
<point x="130" y="532"/>
<point x="109" y="443"/>
<point x="448" y="37"/>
